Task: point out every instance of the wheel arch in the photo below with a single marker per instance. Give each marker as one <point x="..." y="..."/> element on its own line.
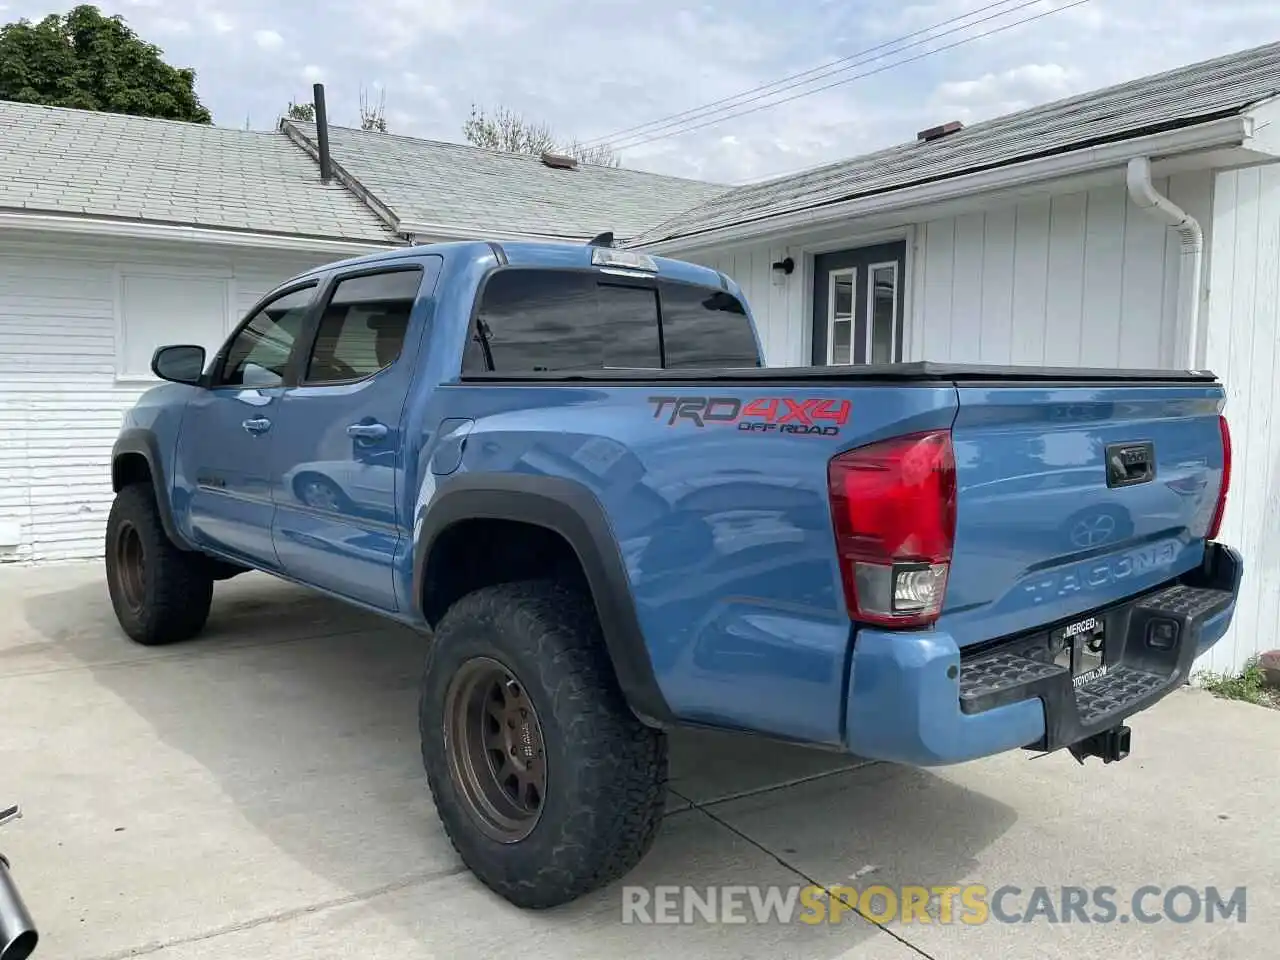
<point x="571" y="512"/>
<point x="136" y="459"/>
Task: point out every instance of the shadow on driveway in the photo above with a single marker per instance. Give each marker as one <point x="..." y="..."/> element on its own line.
<point x="303" y="713"/>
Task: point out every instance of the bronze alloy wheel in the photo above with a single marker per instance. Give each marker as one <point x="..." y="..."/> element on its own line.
<point x="495" y="750"/>
<point x="131" y="566"/>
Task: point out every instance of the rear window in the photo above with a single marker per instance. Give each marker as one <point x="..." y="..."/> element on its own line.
<point x="549" y="320"/>
<point x="705" y="328"/>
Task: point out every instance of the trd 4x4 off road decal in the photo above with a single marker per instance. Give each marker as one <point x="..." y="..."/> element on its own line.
<point x="815" y="415"/>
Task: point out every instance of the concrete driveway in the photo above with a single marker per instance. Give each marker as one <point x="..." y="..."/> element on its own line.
<point x="258" y="793"/>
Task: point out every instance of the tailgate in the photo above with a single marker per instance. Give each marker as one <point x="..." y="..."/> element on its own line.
<point x="1070" y="498"/>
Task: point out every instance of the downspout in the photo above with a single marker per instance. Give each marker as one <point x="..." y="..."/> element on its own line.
<point x="1144" y="194"/>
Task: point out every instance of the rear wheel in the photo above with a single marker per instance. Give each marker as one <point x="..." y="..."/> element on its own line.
<point x="545" y="782"/>
<point x="160" y="594"/>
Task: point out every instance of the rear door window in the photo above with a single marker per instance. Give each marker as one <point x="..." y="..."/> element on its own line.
<point x="362" y="330"/>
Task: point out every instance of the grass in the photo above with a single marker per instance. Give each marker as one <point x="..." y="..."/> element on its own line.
<point x="1248" y="685"/>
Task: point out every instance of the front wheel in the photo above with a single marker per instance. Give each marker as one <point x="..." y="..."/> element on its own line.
<point x="545" y="782"/>
<point x="160" y="594"/>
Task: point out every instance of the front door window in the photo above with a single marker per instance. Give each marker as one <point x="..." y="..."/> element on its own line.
<point x="857" y="305"/>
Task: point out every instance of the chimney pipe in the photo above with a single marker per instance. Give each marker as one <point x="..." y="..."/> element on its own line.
<point x="322" y="132"/>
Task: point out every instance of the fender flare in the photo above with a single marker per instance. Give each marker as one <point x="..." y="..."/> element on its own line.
<point x="572" y="511"/>
<point x="140" y="441"/>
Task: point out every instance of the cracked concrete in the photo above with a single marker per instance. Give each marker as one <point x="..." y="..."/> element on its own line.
<point x="258" y="792"/>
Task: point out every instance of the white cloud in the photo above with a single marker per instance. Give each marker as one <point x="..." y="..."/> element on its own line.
<point x="219" y="22"/>
<point x="169" y="25"/>
<point x="268" y="39"/>
<point x="1050" y="79"/>
<point x="1017" y="88"/>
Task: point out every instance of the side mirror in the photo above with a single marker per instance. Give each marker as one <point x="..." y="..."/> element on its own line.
<point x="183" y="363"/>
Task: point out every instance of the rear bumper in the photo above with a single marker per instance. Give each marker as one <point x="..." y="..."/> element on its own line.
<point x="913" y="698"/>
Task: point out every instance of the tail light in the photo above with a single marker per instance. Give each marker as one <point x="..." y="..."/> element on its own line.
<point x="1221" y="507"/>
<point x="894" y="510"/>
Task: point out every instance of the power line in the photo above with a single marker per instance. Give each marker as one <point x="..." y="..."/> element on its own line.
<point x="825" y="69"/>
<point x="630" y="143"/>
<point x="635" y="141"/>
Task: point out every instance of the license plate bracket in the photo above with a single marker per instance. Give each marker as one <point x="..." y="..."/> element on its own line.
<point x="1081" y="647"/>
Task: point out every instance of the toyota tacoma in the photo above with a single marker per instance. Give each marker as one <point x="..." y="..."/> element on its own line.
<point x="567" y="465"/>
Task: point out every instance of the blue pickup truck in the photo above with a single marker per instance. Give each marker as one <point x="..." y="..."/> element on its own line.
<point x="566" y="464"/>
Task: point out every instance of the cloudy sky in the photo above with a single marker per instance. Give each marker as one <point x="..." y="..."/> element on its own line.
<point x="591" y="68"/>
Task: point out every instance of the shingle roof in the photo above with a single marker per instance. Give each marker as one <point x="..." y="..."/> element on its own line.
<point x="110" y="165"/>
<point x="1180" y="97"/>
<point x="486" y="191"/>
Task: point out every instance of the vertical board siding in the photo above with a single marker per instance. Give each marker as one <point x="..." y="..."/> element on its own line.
<point x="61" y="402"/>
<point x="1241" y="335"/>
<point x="1030" y="281"/>
<point x="1075" y="279"/>
<point x="1064" y="304"/>
<point x="995" y="331"/>
<point x="1104" y="250"/>
<point x="938" y="265"/>
<point x="966" y="292"/>
<point x="1069" y="279"/>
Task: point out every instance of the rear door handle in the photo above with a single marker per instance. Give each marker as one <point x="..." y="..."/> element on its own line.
<point x="367" y="431"/>
<point x="257" y="425"/>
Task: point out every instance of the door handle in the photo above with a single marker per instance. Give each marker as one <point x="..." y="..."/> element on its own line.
<point x="367" y="431"/>
<point x="257" y="425"/>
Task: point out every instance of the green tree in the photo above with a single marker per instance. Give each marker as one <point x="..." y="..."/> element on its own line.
<point x="301" y="111"/>
<point x="504" y="129"/>
<point x="86" y="60"/>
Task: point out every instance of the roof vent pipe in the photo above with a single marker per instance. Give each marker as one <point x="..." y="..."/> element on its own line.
<point x="1144" y="194"/>
<point x="322" y="132"/>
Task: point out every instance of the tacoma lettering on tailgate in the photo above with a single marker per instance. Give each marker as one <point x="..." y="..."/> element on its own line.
<point x="1098" y="573"/>
<point x="812" y="415"/>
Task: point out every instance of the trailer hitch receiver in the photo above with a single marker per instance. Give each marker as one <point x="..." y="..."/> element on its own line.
<point x="1110" y="745"/>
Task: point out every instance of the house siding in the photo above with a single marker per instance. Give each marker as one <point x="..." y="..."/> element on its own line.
<point x="1075" y="279"/>
<point x="1042" y="281"/>
<point x="61" y="399"/>
<point x="1242" y="346"/>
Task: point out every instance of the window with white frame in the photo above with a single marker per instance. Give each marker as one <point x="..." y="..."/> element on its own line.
<point x="155" y="309"/>
<point x="840" y="323"/>
<point x="882" y="313"/>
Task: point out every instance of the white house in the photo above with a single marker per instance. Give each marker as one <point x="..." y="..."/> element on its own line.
<point x="118" y="234"/>
<point x="1048" y="237"/>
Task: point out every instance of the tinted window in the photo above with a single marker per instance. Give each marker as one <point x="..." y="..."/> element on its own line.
<point x="702" y="327"/>
<point x="259" y="352"/>
<point x="563" y="320"/>
<point x="363" y="327"/>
